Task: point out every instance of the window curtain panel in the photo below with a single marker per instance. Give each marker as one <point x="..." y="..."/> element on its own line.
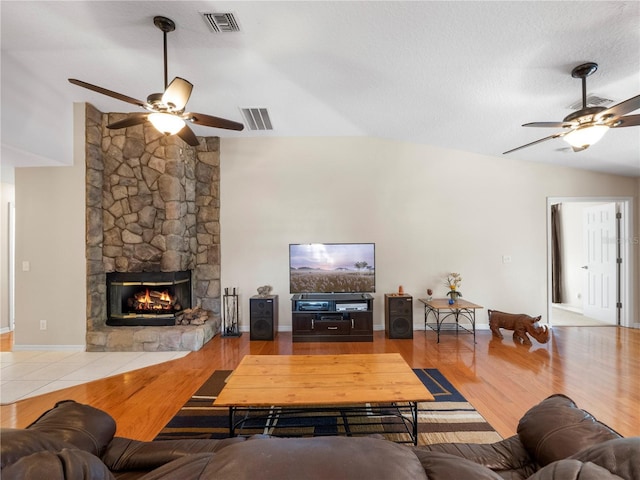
<point x="557" y="294"/>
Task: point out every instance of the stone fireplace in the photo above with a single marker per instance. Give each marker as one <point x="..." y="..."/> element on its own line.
<point x="152" y="213"/>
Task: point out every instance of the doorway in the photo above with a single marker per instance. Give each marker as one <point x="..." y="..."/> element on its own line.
<point x="590" y="266"/>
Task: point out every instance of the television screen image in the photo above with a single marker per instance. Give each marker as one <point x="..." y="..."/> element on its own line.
<point x="332" y="268"/>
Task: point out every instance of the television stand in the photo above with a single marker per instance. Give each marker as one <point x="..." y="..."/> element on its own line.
<point x="332" y="317"/>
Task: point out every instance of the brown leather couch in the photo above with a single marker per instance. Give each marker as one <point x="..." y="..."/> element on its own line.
<point x="555" y="440"/>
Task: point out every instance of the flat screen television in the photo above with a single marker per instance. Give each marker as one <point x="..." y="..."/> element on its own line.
<point x="332" y="268"/>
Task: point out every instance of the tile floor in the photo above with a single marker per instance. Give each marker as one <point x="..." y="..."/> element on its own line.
<point x="25" y="374"/>
<point x="566" y="318"/>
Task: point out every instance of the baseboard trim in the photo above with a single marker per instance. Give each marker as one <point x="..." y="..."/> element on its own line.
<point x="50" y="348"/>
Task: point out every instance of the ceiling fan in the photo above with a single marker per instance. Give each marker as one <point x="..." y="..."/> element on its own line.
<point x="165" y="110"/>
<point x="586" y="126"/>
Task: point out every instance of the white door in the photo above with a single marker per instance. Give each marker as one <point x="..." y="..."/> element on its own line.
<point x="600" y="275"/>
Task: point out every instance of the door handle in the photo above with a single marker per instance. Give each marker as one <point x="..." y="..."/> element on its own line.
<point x="585" y="267"/>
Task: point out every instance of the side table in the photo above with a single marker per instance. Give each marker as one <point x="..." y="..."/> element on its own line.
<point x="441" y="310"/>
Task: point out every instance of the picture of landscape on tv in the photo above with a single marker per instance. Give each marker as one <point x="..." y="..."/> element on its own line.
<point x="332" y="268"/>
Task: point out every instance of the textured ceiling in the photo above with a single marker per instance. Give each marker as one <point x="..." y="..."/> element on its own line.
<point x="460" y="75"/>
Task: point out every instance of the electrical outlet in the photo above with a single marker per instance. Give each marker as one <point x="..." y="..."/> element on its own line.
<point x="43" y="324"/>
<point x="506" y="259"/>
<point x="26" y="265"/>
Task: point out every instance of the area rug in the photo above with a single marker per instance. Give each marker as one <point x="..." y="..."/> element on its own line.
<point x="449" y="419"/>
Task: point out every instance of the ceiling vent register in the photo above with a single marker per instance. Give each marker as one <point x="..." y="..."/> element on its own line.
<point x="592" y="101"/>
<point x="221" y="22"/>
<point x="257" y="118"/>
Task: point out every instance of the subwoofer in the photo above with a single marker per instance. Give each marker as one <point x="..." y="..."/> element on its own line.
<point x="263" y="317"/>
<point x="398" y="316"/>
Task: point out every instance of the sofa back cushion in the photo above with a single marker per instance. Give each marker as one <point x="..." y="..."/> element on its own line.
<point x="317" y="458"/>
<point x="83" y="426"/>
<point x="556" y="429"/>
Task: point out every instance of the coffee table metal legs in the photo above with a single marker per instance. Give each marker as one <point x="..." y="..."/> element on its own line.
<point x="411" y="406"/>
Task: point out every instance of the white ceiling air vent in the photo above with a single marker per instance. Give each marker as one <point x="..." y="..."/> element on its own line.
<point x="592" y="101"/>
<point x="221" y="22"/>
<point x="257" y="118"/>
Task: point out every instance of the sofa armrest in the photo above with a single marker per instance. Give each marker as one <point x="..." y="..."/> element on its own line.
<point x="65" y="464"/>
<point x="556" y="429"/>
<point x="81" y="425"/>
<point x="503" y="456"/>
<point x="17" y="443"/>
<point x="620" y="456"/>
<point x="124" y="454"/>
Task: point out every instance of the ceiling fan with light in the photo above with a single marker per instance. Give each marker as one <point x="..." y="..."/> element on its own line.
<point x="165" y="110"/>
<point x="586" y="126"/>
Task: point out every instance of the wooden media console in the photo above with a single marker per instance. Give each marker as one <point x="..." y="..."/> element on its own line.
<point x="332" y="317"/>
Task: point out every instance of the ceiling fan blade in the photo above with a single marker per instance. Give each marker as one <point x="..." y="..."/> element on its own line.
<point x="109" y="93"/>
<point x="621" y="108"/>
<point x="549" y="124"/>
<point x="177" y="93"/>
<point x="132" y="120"/>
<point x="210" y="121"/>
<point x="628" y="121"/>
<point x="550" y="137"/>
<point x="188" y="136"/>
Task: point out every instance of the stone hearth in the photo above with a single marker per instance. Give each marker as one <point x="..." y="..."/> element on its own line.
<point x="152" y="206"/>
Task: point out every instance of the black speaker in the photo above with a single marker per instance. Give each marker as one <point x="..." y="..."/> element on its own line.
<point x="263" y="317"/>
<point x="398" y="316"/>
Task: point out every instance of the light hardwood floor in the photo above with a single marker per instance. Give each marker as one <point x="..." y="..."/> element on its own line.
<point x="599" y="367"/>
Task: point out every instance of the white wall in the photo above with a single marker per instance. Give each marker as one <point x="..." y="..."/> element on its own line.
<point x="50" y="235"/>
<point x="429" y="210"/>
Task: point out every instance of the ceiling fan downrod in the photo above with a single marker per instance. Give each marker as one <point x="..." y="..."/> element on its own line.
<point x="582" y="72"/>
<point x="166" y="25"/>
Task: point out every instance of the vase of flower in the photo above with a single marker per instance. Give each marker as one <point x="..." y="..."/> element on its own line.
<point x="453" y="282"/>
<point x="453" y="296"/>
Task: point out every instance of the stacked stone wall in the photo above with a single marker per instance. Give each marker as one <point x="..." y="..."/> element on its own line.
<point x="152" y="206"/>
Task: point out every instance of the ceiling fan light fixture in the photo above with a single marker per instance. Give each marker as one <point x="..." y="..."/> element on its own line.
<point x="166" y="123"/>
<point x="583" y="137"/>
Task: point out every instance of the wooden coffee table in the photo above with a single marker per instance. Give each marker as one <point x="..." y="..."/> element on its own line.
<point x="314" y="381"/>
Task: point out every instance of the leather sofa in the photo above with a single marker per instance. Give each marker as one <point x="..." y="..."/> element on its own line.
<point x="555" y="440"/>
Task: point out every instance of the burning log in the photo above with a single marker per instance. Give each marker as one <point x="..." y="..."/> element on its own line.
<point x="153" y="300"/>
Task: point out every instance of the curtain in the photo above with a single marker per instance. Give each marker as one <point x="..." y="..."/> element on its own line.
<point x="556" y="255"/>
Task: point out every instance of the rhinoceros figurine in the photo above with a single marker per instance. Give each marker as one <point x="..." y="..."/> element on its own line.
<point x="521" y="324"/>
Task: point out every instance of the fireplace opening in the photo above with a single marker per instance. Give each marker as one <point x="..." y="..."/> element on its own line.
<point x="147" y="298"/>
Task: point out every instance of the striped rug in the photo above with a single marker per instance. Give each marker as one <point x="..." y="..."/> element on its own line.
<point x="449" y="419"/>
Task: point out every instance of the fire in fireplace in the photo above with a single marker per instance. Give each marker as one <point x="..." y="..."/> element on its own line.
<point x="153" y="301"/>
<point x="147" y="298"/>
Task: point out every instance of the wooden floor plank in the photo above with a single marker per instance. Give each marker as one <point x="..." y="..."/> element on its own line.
<point x="598" y="367"/>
